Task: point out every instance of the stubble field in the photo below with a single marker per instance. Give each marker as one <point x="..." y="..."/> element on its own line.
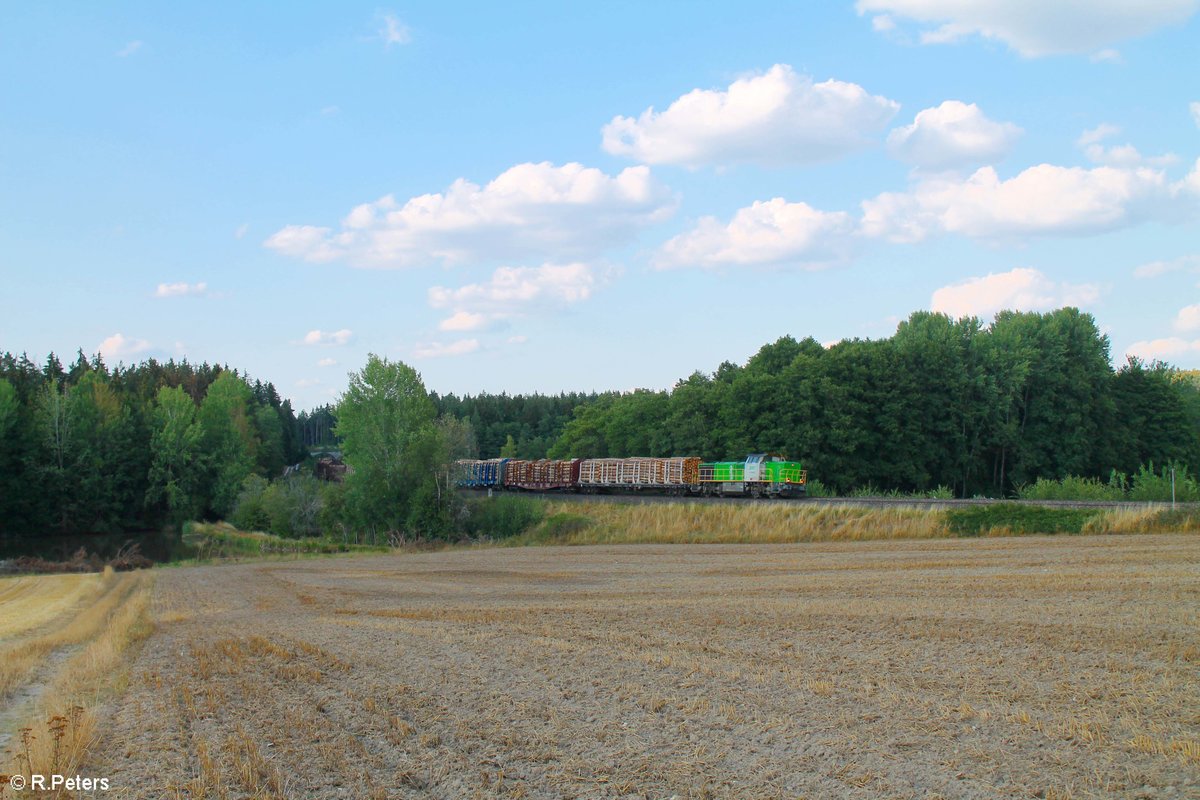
<point x="1033" y="667"/>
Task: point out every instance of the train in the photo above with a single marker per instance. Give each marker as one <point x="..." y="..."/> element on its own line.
<point x="760" y="475"/>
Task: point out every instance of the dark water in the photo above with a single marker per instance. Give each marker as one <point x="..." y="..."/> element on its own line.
<point x="158" y="546"/>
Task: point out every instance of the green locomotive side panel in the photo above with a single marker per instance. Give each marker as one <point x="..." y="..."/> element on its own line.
<point x="770" y="472"/>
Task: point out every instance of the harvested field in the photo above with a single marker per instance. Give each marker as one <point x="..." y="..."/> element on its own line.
<point x="1034" y="667"/>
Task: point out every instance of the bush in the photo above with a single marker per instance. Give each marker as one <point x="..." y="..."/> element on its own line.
<point x="1075" y="488"/>
<point x="1149" y="486"/>
<point x="502" y="516"/>
<point x="977" y="520"/>
<point x="815" y="488"/>
<point x="249" y="513"/>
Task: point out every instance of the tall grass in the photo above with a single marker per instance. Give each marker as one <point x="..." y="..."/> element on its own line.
<point x="582" y="523"/>
<point x="690" y="523"/>
<point x="220" y="540"/>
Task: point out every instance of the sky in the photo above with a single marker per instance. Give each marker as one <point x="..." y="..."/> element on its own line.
<point x="554" y="196"/>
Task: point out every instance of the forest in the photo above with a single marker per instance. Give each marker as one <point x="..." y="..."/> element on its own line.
<point x="86" y="448"/>
<point x="978" y="409"/>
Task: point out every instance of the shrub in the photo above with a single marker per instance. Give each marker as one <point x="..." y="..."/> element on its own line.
<point x="1074" y="488"/>
<point x="249" y="513"/>
<point x="1149" y="486"/>
<point x="502" y="516"/>
<point x="817" y="489"/>
<point x="1014" y="518"/>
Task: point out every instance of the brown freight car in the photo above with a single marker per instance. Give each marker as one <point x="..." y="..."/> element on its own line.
<point x="542" y="474"/>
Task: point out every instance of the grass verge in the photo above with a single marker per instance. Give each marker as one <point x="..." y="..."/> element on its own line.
<point x="581" y="523"/>
<point x="220" y="540"/>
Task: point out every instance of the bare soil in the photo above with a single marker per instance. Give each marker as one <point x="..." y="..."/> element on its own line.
<point x="1002" y="668"/>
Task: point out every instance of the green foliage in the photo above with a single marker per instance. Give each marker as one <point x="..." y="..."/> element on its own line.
<point x="1073" y="487"/>
<point x="815" y="488"/>
<point x="175" y="479"/>
<point x="221" y="540"/>
<point x="1015" y="518"/>
<point x="1151" y="486"/>
<point x="249" y="511"/>
<point x="396" y="455"/>
<point x="502" y="516"/>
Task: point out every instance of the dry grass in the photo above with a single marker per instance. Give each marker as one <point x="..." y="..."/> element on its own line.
<point x="730" y="523"/>
<point x="67" y="666"/>
<point x="978" y="669"/>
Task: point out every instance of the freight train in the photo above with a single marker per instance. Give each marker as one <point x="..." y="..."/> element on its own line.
<point x="760" y="475"/>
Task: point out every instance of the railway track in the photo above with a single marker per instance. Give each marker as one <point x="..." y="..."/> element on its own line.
<point x="865" y="502"/>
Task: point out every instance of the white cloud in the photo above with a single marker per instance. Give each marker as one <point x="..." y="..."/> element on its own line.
<point x="772" y="232"/>
<point x="518" y="339"/>
<point x="530" y="210"/>
<point x="1036" y="28"/>
<point x="181" y="289"/>
<point x="954" y="134"/>
<point x="241" y="230"/>
<point x="778" y="117"/>
<point x="463" y="321"/>
<point x="320" y="337"/>
<point x="1195" y="109"/>
<point x="393" y="31"/>
<point x="327" y="362"/>
<point x="1021" y="289"/>
<point x="1162" y="349"/>
<point x="1188" y="318"/>
<point x="330" y="111"/>
<point x="1102" y="131"/>
<point x="305" y="383"/>
<point x="129" y="49"/>
<point x="1107" y="55"/>
<point x="514" y="292"/>
<point x="1125" y="155"/>
<point x="1155" y="268"/>
<point x="882" y="23"/>
<point x="443" y="350"/>
<point x="119" y="346"/>
<point x="1045" y="199"/>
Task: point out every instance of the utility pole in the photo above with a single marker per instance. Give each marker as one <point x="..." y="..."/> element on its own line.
<point x="1172" y="488"/>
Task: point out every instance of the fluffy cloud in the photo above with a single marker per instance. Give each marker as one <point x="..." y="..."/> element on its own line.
<point x="1045" y="199"/>
<point x="513" y="292"/>
<point x="1188" y="319"/>
<point x="1021" y="289"/>
<point x="443" y="350"/>
<point x="327" y="362"/>
<point x="320" y="337"/>
<point x="952" y="135"/>
<point x="120" y="346"/>
<point x="1195" y="109"/>
<point x="1125" y="155"/>
<point x="1162" y="349"/>
<point x="776" y="117"/>
<point x="1036" y="28"/>
<point x="180" y="289"/>
<point x="129" y="49"/>
<point x="537" y="210"/>
<point x="772" y="232"/>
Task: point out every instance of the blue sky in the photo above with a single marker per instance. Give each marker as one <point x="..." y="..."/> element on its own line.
<point x="541" y="196"/>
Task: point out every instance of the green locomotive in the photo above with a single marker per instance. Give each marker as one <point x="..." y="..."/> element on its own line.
<point x="760" y="475"/>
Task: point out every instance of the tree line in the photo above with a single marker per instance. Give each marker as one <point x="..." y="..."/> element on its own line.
<point x="943" y="402"/>
<point x="88" y="448"/>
